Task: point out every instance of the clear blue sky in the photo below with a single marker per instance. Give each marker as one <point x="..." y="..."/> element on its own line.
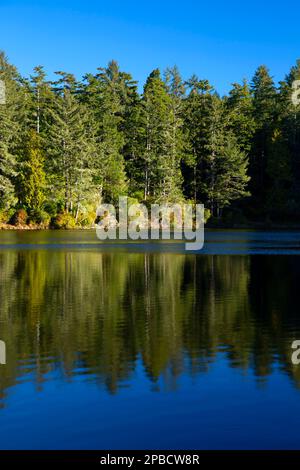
<point x="222" y="41"/>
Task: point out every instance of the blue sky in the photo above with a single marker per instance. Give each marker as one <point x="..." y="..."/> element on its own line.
<point x="223" y="41"/>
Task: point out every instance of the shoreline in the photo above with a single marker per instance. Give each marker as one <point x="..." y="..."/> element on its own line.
<point x="250" y="226"/>
<point x="9" y="227"/>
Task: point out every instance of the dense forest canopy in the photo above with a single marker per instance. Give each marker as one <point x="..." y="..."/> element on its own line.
<point x="66" y="145"/>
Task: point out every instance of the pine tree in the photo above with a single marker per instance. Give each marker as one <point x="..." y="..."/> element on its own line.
<point x="265" y="114"/>
<point x="67" y="143"/>
<point x="11" y="113"/>
<point x="279" y="173"/>
<point x="284" y="167"/>
<point x="105" y="94"/>
<point x="178" y="141"/>
<point x="71" y="152"/>
<point x="162" y="177"/>
<point x="7" y="174"/>
<point x="225" y="166"/>
<point x="229" y="179"/>
<point x="131" y="127"/>
<point x="32" y="178"/>
<point x="218" y="161"/>
<point x="198" y="110"/>
<point x="40" y="99"/>
<point x="240" y="119"/>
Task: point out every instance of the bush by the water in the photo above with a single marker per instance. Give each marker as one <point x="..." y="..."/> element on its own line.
<point x="64" y="221"/>
<point x="39" y="217"/>
<point x="20" y="217"/>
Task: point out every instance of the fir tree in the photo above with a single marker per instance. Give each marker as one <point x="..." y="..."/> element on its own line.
<point x="264" y="113"/>
<point x="106" y="96"/>
<point x="198" y="111"/>
<point x="240" y="120"/>
<point x="11" y="113"/>
<point x="32" y="178"/>
<point x="71" y="152"/>
<point x="162" y="177"/>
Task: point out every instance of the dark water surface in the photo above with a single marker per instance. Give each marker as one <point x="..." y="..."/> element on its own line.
<point x="144" y="345"/>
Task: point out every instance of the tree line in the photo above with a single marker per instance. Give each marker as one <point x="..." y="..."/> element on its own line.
<point x="66" y="144"/>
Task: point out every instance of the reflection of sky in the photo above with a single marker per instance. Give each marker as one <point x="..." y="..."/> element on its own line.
<point x="222" y="408"/>
<point x="215" y="242"/>
<point x="158" y="351"/>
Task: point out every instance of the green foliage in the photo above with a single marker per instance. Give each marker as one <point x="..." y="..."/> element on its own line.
<point x="241" y="122"/>
<point x="6" y="215"/>
<point x="10" y="131"/>
<point x="63" y="221"/>
<point x="20" y="217"/>
<point x="160" y="140"/>
<point x="40" y="217"/>
<point x="31" y="177"/>
<point x="67" y="145"/>
<point x="7" y="173"/>
<point x="71" y="149"/>
<point x="107" y="95"/>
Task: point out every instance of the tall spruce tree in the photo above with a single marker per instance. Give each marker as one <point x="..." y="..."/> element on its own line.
<point x="71" y="152"/>
<point x="240" y="119"/>
<point x="198" y="109"/>
<point x="284" y="198"/>
<point x="162" y="175"/>
<point x="11" y="132"/>
<point x="105" y="94"/>
<point x="32" y="178"/>
<point x="219" y="163"/>
<point x="40" y="100"/>
<point x="265" y="114"/>
<point x="225" y="166"/>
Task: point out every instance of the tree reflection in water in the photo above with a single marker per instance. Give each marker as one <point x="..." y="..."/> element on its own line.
<point x="96" y="314"/>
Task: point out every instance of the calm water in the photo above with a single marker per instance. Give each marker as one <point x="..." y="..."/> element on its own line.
<point x="145" y="346"/>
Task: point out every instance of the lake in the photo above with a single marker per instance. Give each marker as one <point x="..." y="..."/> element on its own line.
<point x="143" y="345"/>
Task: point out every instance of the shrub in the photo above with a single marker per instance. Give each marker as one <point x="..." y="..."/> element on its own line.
<point x="6" y="215"/>
<point x="87" y="219"/>
<point x="19" y="217"/>
<point x="39" y="216"/>
<point x="52" y="208"/>
<point x="207" y="215"/>
<point x="64" y="221"/>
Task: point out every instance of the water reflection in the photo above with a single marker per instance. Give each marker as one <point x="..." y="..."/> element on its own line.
<point x="96" y="315"/>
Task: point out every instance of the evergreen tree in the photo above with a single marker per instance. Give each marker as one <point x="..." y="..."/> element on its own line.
<point x="7" y="174"/>
<point x="284" y="166"/>
<point x="32" y="178"/>
<point x="106" y="95"/>
<point x="240" y="119"/>
<point x="71" y="152"/>
<point x="162" y="176"/>
<point x="39" y="100"/>
<point x="178" y="138"/>
<point x="67" y="143"/>
<point x="198" y="109"/>
<point x="265" y="114"/>
<point x="11" y="113"/>
<point x="225" y="166"/>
